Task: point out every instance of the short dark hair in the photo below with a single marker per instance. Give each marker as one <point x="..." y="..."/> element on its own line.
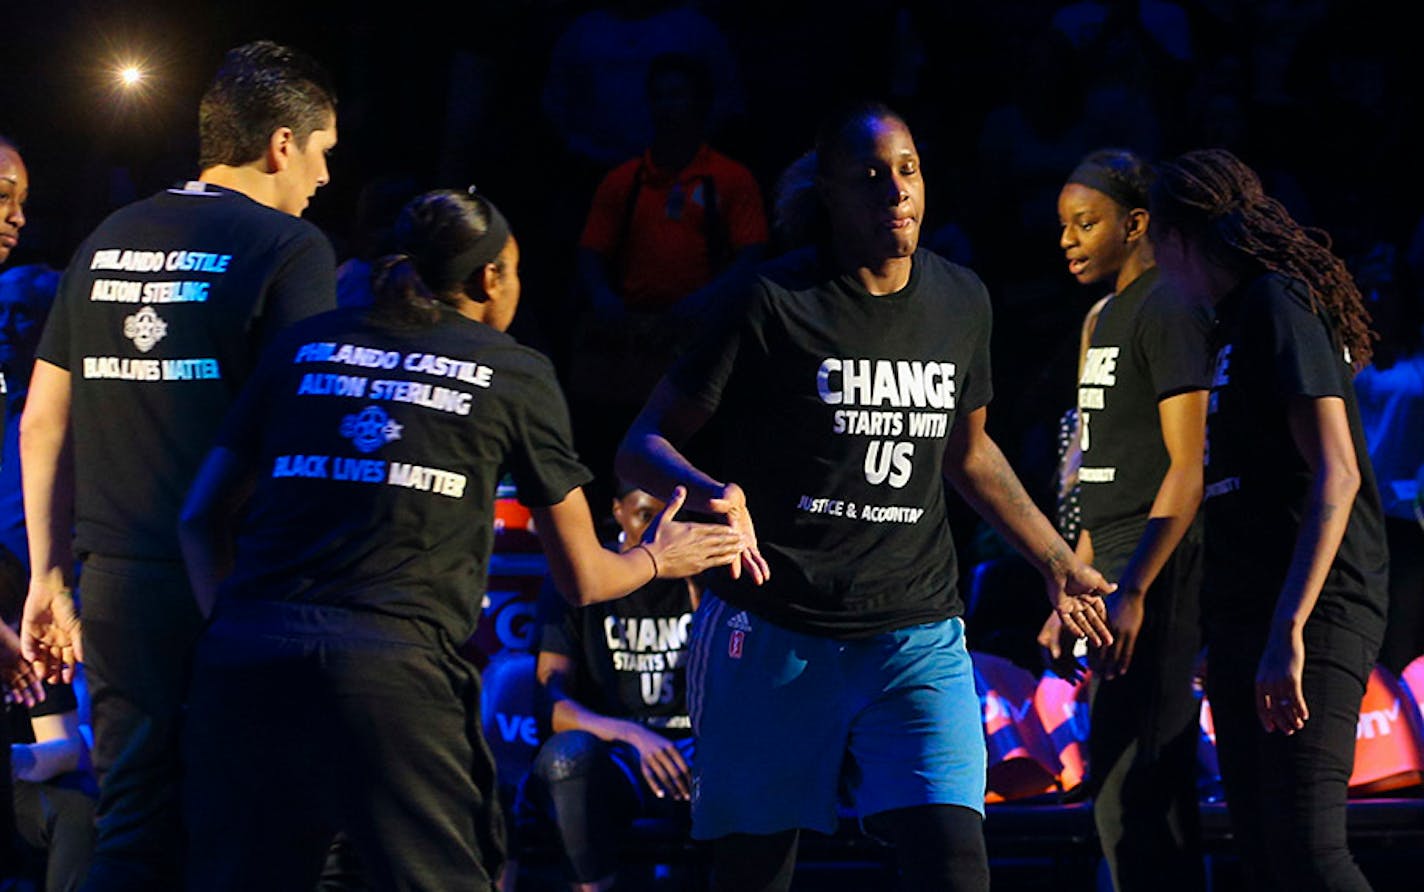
<point x="261" y="87"/>
<point x="831" y="137"/>
<point x="1120" y="174"/>
<point x="433" y="230"/>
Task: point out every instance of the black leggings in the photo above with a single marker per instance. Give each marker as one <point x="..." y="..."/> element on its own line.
<point x="1287" y="796"/>
<point x="938" y="848"/>
<point x="591" y="791"/>
<point x="1143" y="742"/>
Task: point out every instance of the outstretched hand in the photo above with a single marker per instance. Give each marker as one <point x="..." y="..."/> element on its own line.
<point x="1057" y="647"/>
<point x="18" y="678"/>
<point x="50" y="634"/>
<point x="682" y="549"/>
<point x="1077" y="597"/>
<point x="1125" y="616"/>
<point x="733" y="504"/>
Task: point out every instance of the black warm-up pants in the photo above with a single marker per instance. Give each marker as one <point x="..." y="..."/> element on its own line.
<point x="140" y="622"/>
<point x="305" y="720"/>
<point x="1287" y="795"/>
<point x="1143" y="741"/>
<point x="56" y="818"/>
<point x="590" y="791"/>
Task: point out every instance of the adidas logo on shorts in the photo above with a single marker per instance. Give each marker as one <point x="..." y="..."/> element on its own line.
<point x="740" y="622"/>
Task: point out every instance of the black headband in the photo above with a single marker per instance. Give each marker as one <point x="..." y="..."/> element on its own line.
<point x="483" y="250"/>
<point x="1110" y="183"/>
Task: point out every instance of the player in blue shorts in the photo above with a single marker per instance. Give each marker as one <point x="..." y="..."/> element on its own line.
<point x="855" y="376"/>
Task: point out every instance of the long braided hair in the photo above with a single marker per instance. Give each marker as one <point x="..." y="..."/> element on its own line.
<point x="1211" y="198"/>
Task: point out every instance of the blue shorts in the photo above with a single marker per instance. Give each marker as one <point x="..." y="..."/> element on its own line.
<point x="789" y="724"/>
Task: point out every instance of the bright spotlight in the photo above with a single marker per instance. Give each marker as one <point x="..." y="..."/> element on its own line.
<point x="131" y="75"/>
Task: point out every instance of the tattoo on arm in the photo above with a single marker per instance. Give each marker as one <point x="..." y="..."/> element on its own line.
<point x="1015" y="504"/>
<point x="1013" y="495"/>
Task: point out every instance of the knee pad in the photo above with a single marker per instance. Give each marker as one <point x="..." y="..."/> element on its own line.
<point x="568" y="755"/>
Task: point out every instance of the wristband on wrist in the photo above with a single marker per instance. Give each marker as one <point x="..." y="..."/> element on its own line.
<point x="649" y="552"/>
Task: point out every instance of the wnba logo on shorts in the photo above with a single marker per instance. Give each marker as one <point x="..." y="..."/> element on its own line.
<point x="740" y="626"/>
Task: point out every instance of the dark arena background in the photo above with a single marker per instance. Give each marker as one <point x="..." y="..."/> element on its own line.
<point x="533" y="101"/>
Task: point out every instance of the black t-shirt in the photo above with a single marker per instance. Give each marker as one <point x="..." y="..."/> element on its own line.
<point x="160" y="318"/>
<point x="378" y="449"/>
<point x="629" y="655"/>
<point x="1150" y="343"/>
<point x="837" y="406"/>
<point x="1274" y="349"/>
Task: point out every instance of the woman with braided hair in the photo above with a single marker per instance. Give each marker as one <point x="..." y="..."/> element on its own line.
<point x="1294" y="600"/>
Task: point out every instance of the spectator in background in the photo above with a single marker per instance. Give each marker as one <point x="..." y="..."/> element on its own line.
<point x="14" y="191"/>
<point x="594" y="91"/>
<point x="614" y="675"/>
<point x="671" y="234"/>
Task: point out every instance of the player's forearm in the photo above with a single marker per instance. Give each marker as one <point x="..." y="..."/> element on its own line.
<point x="59" y="748"/>
<point x="649" y="460"/>
<point x="47" y="481"/>
<point x="606" y="576"/>
<point x="985" y="480"/>
<point x="208" y="555"/>
<point x="650" y="455"/>
<point x="206" y="528"/>
<point x="1178" y="498"/>
<point x="583" y="570"/>
<point x="570" y="715"/>
<point x="1322" y="528"/>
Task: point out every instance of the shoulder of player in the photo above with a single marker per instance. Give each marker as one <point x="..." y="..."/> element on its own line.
<point x="294" y="235"/>
<point x="513" y="360"/>
<point x="943" y="276"/>
<point x="1272" y="296"/>
<point x="276" y="235"/>
<point x="795" y="270"/>
<point x="1160" y="301"/>
<point x="252" y="219"/>
<point x="778" y="279"/>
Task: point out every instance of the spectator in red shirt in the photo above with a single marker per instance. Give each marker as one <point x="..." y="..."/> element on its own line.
<point x="669" y="232"/>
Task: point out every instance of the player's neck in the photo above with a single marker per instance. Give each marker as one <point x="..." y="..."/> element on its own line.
<point x="1132" y="270"/>
<point x="885" y="276"/>
<point x="248" y="179"/>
